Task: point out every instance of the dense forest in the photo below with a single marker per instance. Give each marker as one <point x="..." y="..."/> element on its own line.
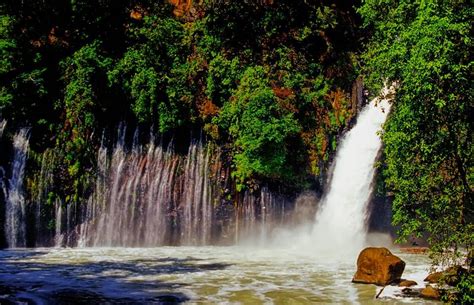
<point x="272" y="83"/>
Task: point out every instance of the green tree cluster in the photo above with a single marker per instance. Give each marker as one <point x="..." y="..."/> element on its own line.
<point x="426" y="47"/>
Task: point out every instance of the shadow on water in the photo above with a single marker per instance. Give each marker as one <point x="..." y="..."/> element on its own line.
<point x="25" y="278"/>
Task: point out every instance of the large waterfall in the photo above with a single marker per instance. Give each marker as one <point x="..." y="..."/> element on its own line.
<point x="15" y="210"/>
<point x="341" y="221"/>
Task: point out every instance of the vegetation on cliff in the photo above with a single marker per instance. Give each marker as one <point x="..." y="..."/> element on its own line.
<point x="425" y="47"/>
<point x="258" y="78"/>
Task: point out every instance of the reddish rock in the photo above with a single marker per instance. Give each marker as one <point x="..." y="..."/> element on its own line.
<point x="378" y="266"/>
<point x="407" y="283"/>
<point x="430" y="293"/>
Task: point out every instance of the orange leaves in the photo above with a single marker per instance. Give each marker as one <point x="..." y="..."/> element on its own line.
<point x="285" y="98"/>
<point x="137" y="13"/>
<point x="208" y="109"/>
<point x="341" y="106"/>
<point x="336" y="98"/>
<point x="181" y="7"/>
<point x="282" y="92"/>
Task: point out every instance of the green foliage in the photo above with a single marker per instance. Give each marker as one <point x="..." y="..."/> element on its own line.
<point x="7" y="44"/>
<point x="259" y="128"/>
<point x="425" y="47"/>
<point x="153" y="72"/>
<point x="463" y="293"/>
<point x="7" y="64"/>
<point x="222" y="78"/>
<point x="82" y="72"/>
<point x="258" y="77"/>
<point x="465" y="289"/>
<point x="17" y="82"/>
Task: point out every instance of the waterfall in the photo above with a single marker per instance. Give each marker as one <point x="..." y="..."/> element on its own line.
<point x="3" y="124"/>
<point x="15" y="210"/>
<point x="340" y="222"/>
<point x="150" y="196"/>
<point x="43" y="198"/>
<point x="142" y="195"/>
<point x="259" y="213"/>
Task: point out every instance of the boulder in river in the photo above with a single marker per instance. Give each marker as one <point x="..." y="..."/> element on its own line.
<point x="434" y="277"/>
<point x="430" y="293"/>
<point x="378" y="266"/>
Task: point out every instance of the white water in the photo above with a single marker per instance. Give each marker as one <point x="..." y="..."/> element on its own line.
<point x="3" y="124"/>
<point x="341" y="222"/>
<point x="15" y="212"/>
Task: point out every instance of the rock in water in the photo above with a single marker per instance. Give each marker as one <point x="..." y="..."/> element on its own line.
<point x="378" y="266"/>
<point x="407" y="283"/>
<point x="434" y="277"/>
<point x="430" y="293"/>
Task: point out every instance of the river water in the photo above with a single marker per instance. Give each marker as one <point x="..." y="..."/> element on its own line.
<point x="192" y="275"/>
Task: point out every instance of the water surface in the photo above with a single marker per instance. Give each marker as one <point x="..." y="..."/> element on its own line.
<point x="192" y="275"/>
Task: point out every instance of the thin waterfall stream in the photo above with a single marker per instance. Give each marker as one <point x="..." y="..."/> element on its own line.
<point x="15" y="209"/>
<point x="3" y="124"/>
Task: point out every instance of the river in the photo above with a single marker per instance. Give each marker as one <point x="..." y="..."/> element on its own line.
<point x="190" y="275"/>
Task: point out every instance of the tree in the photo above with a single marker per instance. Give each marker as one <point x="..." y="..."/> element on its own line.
<point x="84" y="71"/>
<point x="426" y="47"/>
<point x="259" y="128"/>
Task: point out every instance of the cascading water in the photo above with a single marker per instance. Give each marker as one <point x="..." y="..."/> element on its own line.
<point x="341" y="221"/>
<point x="258" y="215"/>
<point x="15" y="210"/>
<point x="3" y="124"/>
<point x="152" y="196"/>
<point x="148" y="196"/>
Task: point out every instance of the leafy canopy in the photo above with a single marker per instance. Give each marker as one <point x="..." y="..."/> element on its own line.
<point x="425" y="46"/>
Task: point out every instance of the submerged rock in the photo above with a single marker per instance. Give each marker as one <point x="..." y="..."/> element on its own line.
<point x="430" y="293"/>
<point x="407" y="283"/>
<point x="378" y="266"/>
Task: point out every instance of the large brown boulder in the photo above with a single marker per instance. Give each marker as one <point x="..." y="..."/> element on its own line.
<point x="378" y="266"/>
